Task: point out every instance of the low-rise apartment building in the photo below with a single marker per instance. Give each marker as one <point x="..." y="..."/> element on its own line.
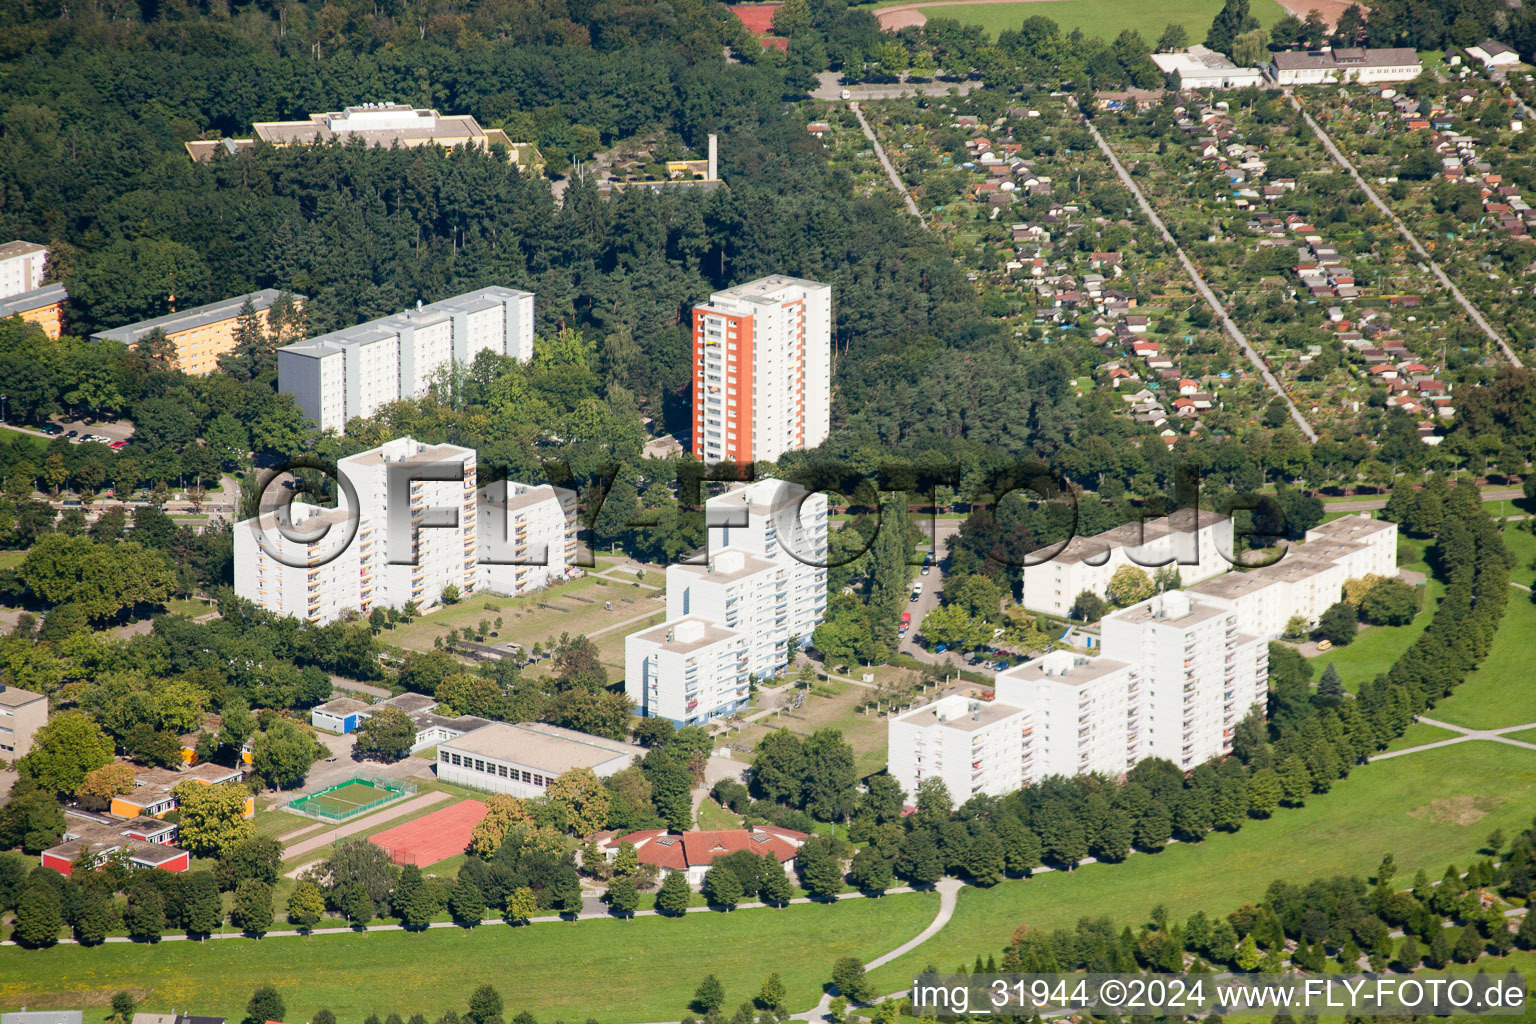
<point x="42" y="306"/>
<point x="201" y="334"/>
<point x="357" y="370"/>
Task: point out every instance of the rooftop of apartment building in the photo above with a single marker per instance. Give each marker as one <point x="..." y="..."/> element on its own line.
<point x="1351" y="528"/>
<point x="1172" y="608"/>
<point x="1065" y="667"/>
<point x="728" y="566"/>
<point x="767" y="291"/>
<point x="191" y="319"/>
<point x="407" y="451"/>
<point x="376" y="124"/>
<point x="385" y="328"/>
<point x="10" y="250"/>
<point x="526" y="496"/>
<point x="1296" y="566"/>
<point x="762" y="497"/>
<point x="15" y="696"/>
<point x="683" y="636"/>
<point x="1232" y="585"/>
<point x="958" y="712"/>
<point x="37" y="298"/>
<point x="303" y="519"/>
<point x="1127" y="535"/>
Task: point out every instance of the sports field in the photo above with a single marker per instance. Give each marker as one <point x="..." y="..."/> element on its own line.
<point x="1103" y="18"/>
<point x="345" y="800"/>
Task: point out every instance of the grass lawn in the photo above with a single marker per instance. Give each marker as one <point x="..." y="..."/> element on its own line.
<point x="713" y="816"/>
<point x="1522" y="545"/>
<point x="1524" y="736"/>
<point x="1375" y="648"/>
<point x="11" y="559"/>
<point x="1103" y="18"/>
<point x="832" y="704"/>
<point x="1428" y="809"/>
<point x="610" y="970"/>
<point x="1501" y="691"/>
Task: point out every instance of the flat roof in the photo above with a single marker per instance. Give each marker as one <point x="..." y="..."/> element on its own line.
<point x="1081" y="672"/>
<point x="10" y="250"/>
<point x="405" y="454"/>
<point x="15" y="696"/>
<point x="1345" y="57"/>
<point x="962" y="713"/>
<point x="37" y="298"/>
<point x="43" y="1017"/>
<point x="1127" y="535"/>
<point x="546" y="747"/>
<point x="385" y="328"/>
<point x="1232" y="585"/>
<point x="1173" y="608"/>
<point x="1352" y="527"/>
<point x="343" y="706"/>
<point x="750" y="565"/>
<point x="711" y="634"/>
<point x="765" y="291"/>
<point x="189" y="319"/>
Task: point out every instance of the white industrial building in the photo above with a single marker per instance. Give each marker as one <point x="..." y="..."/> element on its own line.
<point x="1174" y="678"/>
<point x="762" y="370"/>
<point x="357" y="370"/>
<point x="1201" y="68"/>
<point x="1345" y="64"/>
<point x="344" y="558"/>
<point x="1493" y="53"/>
<point x="21" y="267"/>
<point x="523" y="759"/>
<point x="1309" y="578"/>
<point x="345" y="714"/>
<point x="1196" y="542"/>
<point x="761" y="591"/>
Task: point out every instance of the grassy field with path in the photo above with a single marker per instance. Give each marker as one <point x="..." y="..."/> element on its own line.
<point x="1501" y="691"/>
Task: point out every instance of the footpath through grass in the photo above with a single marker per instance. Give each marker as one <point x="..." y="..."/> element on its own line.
<point x="1427" y="809"/>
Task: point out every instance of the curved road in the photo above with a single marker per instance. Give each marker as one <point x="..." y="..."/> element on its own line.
<point x="1204" y="289"/>
<point x="1402" y="229"/>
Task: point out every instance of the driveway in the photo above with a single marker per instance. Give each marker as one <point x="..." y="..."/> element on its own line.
<point x="933" y="587"/>
<point x="830" y="87"/>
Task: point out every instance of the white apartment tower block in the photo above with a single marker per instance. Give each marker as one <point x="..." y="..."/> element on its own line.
<point x="972" y="746"/>
<point x="762" y="592"/>
<point x="344" y="559"/>
<point x="1086" y="713"/>
<point x="762" y="368"/>
<point x="357" y="370"/>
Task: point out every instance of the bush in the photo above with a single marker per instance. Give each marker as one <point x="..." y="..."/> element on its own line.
<point x="1338" y="624"/>
<point x="1389" y="603"/>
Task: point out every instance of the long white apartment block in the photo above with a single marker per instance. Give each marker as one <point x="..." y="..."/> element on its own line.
<point x="1199" y="676"/>
<point x="344" y="559"/>
<point x="1085" y="713"/>
<point x="972" y="746"/>
<point x="357" y="370"/>
<point x="1308" y="578"/>
<point x="21" y="267"/>
<point x="688" y="670"/>
<point x="764" y="582"/>
<point x="527" y="536"/>
<point x="1174" y="678"/>
<point x="1196" y="542"/>
<point x="762" y="370"/>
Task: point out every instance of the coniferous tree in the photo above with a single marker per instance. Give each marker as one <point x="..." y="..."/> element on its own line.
<point x="673" y="896"/>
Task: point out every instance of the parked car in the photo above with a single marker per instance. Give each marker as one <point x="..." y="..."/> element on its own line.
<point x="118" y="445"/>
<point x="52" y="429"/>
<point x="941" y="648"/>
<point x="73" y="433"/>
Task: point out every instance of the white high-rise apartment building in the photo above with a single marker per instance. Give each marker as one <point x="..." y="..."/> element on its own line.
<point x="21" y="267"/>
<point x="762" y="369"/>
<point x="1174" y="679"/>
<point x="1085" y="712"/>
<point x="1199" y="676"/>
<point x="1196" y="542"/>
<point x="688" y="670"/>
<point x="752" y="587"/>
<point x="340" y="560"/>
<point x="972" y="746"/>
<point x="527" y="536"/>
<point x="357" y="370"/>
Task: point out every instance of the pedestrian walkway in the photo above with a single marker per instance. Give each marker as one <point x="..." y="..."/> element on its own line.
<point x="1496" y="735"/>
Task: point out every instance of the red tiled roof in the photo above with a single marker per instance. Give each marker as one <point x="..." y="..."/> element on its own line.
<point x="699" y="848"/>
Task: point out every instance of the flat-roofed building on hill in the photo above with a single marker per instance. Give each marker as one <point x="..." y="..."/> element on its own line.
<point x="42" y="306"/>
<point x="526" y="536"/>
<point x="377" y="124"/>
<point x="688" y="670"/>
<point x="1345" y="64"/>
<point x="523" y="759"/>
<point x="201" y="334"/>
<point x="1084" y="713"/>
<point x="357" y="370"/>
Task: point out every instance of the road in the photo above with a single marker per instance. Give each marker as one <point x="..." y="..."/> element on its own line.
<point x="830" y="87"/>
<point x="1402" y="229"/>
<point x="933" y="586"/>
<point x="1205" y="290"/>
<point x="1370" y="504"/>
<point x="890" y="170"/>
